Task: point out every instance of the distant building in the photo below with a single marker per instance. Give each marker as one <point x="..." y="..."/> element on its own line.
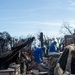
<point x="69" y="39"/>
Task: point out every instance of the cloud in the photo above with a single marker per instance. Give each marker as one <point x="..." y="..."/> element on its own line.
<point x="71" y="22"/>
<point x="38" y="22"/>
<point x="71" y="8"/>
<point x="72" y="2"/>
<point x="9" y="18"/>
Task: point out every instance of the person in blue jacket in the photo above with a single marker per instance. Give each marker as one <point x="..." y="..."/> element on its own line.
<point x="37" y="53"/>
<point x="52" y="47"/>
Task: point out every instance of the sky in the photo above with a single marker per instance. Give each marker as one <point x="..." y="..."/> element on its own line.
<point x="29" y="17"/>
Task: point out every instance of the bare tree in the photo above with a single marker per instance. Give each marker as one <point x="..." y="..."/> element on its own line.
<point x="5" y="39"/>
<point x="66" y="29"/>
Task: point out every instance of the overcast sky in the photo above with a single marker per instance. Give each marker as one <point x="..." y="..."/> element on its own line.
<point x="28" y="17"/>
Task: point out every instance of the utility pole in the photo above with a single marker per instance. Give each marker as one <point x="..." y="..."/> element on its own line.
<point x="41" y="40"/>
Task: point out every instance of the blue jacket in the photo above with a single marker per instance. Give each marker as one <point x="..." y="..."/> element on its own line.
<point x="52" y="48"/>
<point x="38" y="55"/>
